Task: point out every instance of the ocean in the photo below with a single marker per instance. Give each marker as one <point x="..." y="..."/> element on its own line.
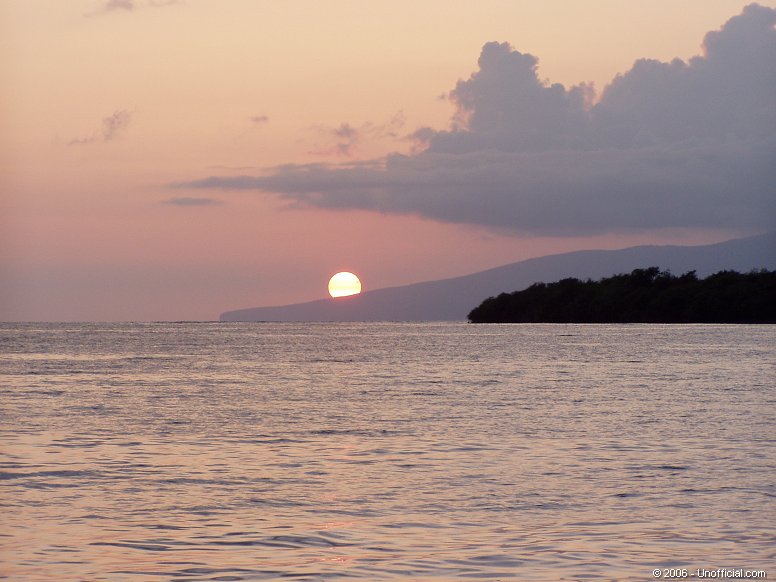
<point x="386" y="451"/>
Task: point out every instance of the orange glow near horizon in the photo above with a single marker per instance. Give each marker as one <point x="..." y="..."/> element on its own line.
<point x="344" y="284"/>
<point x="105" y="211"/>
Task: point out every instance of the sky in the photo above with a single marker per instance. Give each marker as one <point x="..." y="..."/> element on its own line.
<point x="171" y="160"/>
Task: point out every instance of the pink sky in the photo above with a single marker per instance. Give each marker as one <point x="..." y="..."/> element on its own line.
<point x="107" y="105"/>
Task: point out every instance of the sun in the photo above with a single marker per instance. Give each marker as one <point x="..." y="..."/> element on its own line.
<point x="344" y="284"/>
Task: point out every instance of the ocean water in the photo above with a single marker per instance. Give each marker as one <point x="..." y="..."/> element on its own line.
<point x="388" y="451"/>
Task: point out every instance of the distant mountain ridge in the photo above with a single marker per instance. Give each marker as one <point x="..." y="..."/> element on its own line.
<point x="452" y="299"/>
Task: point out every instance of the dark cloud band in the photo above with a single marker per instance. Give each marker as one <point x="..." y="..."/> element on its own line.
<point x="679" y="144"/>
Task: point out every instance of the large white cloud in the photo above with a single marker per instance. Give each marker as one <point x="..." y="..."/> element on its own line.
<point x="679" y="144"/>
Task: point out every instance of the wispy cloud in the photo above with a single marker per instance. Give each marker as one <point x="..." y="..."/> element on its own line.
<point x="344" y="139"/>
<point x="190" y="201"/>
<point x="107" y="6"/>
<point x="112" y="127"/>
<point x="337" y="141"/>
<point x="115" y="124"/>
<point x="111" y="5"/>
<point x="667" y="144"/>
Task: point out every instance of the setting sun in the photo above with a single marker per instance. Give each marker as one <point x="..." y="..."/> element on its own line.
<point x="344" y="284"/>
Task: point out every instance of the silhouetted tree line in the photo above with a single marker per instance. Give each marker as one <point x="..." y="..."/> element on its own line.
<point x="644" y="296"/>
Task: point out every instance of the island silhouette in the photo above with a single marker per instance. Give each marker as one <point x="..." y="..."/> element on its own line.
<point x="451" y="299"/>
<point x="644" y="296"/>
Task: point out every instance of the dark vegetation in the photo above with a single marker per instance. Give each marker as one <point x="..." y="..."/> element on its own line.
<point x="644" y="296"/>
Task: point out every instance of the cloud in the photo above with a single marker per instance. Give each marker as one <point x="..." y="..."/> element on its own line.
<point x="189" y="201"/>
<point x="115" y="124"/>
<point x="729" y="93"/>
<point x="343" y="140"/>
<point x="130" y="5"/>
<point x="505" y="106"/>
<point x="111" y="5"/>
<point x="112" y="127"/>
<point x="82" y="141"/>
<point x="677" y="144"/>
